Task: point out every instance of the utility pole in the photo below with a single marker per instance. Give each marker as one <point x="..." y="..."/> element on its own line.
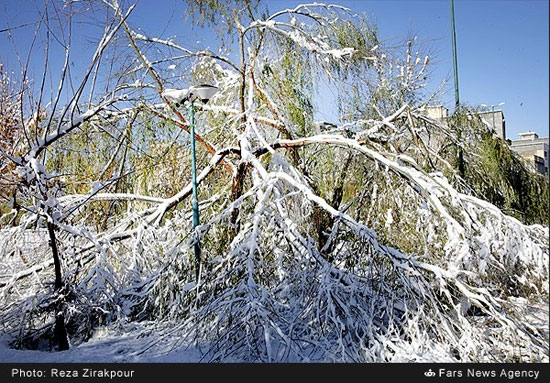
<point x="455" y="64"/>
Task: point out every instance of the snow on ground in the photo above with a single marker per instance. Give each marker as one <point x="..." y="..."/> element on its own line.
<point x="112" y="348"/>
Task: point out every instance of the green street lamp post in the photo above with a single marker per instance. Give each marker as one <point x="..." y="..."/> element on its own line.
<point x="455" y="63"/>
<point x="204" y="93"/>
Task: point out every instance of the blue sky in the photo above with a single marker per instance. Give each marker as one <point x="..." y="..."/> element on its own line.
<point x="503" y="48"/>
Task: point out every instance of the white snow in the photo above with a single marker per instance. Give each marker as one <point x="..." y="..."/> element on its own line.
<point x="105" y="347"/>
<point x="176" y="95"/>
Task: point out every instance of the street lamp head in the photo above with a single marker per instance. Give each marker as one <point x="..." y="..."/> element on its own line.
<point x="204" y="92"/>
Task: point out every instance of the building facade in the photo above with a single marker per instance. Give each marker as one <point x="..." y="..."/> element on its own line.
<point x="534" y="150"/>
<point x="495" y="120"/>
<point x="438" y="112"/>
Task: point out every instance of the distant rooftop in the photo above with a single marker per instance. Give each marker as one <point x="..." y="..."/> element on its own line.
<point x="528" y="136"/>
<point x="491" y="111"/>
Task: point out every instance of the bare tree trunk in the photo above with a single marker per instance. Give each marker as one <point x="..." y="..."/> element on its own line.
<point x="60" y="332"/>
<point x="240" y="174"/>
<point x="55" y="254"/>
<point x="236" y="192"/>
<point x="322" y="219"/>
